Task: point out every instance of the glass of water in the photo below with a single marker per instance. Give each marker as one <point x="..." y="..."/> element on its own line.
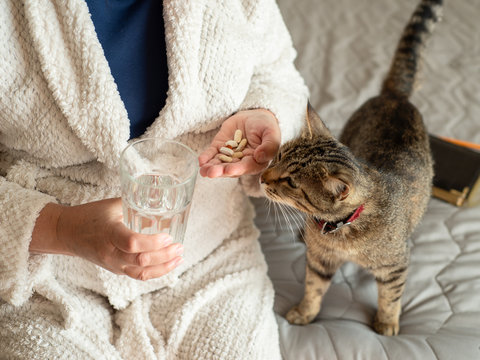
<point x="157" y="177"/>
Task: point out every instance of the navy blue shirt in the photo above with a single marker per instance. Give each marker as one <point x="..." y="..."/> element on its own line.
<point x="132" y="35"/>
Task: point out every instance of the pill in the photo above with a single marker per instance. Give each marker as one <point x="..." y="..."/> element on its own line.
<point x="232" y="144"/>
<point x="237" y="155"/>
<point x="241" y="145"/>
<point x="225" y="158"/>
<point x="238" y="135"/>
<point x="226" y="151"/>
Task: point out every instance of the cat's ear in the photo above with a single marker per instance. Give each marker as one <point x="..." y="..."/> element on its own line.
<point x="340" y="188"/>
<point x="314" y="126"/>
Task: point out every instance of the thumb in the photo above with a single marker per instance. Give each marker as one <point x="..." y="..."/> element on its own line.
<point x="267" y="150"/>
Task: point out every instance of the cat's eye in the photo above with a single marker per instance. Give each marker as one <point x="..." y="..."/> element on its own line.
<point x="289" y="181"/>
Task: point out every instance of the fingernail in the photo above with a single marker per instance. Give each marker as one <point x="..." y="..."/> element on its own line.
<point x="179" y="250"/>
<point x="167" y="241"/>
<point x="176" y="262"/>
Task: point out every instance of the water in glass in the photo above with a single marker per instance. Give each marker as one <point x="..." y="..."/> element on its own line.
<point x="155" y="204"/>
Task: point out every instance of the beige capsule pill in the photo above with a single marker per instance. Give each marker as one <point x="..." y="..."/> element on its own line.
<point x="231" y="144"/>
<point x="226" y="151"/>
<point x="225" y="158"/>
<point x="238" y="135"/>
<point x="237" y="155"/>
<point x="241" y="145"/>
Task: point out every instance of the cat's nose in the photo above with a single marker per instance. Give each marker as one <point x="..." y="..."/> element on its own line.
<point x="262" y="180"/>
<point x="265" y="178"/>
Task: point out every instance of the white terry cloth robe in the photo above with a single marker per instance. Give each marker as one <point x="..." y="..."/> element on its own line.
<point x="62" y="128"/>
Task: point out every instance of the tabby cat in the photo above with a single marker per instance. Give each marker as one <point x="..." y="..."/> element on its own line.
<point x="363" y="195"/>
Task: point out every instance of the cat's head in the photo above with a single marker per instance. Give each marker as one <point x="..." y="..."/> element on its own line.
<point x="314" y="173"/>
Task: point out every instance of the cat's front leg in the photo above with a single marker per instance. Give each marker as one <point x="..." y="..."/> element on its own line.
<point x="317" y="281"/>
<point x="390" y="290"/>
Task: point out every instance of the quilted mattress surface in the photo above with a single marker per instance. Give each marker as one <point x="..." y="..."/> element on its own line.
<point x="344" y="49"/>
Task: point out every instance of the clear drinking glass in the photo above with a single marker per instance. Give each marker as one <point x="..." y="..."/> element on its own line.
<point x="157" y="177"/>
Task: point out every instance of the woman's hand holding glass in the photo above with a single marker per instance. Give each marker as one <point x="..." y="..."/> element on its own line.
<point x="95" y="232"/>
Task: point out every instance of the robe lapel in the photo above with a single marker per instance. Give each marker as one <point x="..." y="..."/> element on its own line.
<point x="78" y="75"/>
<point x="185" y="105"/>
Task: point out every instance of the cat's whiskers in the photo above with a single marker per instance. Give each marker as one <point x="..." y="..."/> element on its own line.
<point x="294" y="216"/>
<point x="268" y="203"/>
<point x="288" y="218"/>
<point x="276" y="216"/>
<point x="300" y="221"/>
<point x="277" y="207"/>
<point x="273" y="199"/>
<point x="285" y="222"/>
<point x="291" y="215"/>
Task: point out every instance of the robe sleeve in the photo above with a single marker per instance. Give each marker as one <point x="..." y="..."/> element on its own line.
<point x="276" y="84"/>
<point x="19" y="270"/>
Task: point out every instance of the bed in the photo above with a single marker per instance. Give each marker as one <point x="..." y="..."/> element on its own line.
<point x="344" y="49"/>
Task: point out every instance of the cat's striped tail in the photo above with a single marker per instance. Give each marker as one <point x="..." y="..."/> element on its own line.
<point x="404" y="68"/>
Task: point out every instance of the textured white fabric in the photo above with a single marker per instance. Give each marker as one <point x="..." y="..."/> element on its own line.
<point x="220" y="309"/>
<point x="63" y="126"/>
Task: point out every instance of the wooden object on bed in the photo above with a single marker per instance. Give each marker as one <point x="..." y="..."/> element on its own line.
<point x="457" y="171"/>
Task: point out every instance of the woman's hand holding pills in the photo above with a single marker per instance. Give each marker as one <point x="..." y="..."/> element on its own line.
<point x="245" y="144"/>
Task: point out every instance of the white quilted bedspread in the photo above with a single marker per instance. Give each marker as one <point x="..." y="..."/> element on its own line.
<point x="344" y="49"/>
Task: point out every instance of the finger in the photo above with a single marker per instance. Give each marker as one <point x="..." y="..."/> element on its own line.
<point x="205" y="168"/>
<point x="152" y="272"/>
<point x="267" y="150"/>
<point x="215" y="171"/>
<point x="247" y="165"/>
<point x="131" y="242"/>
<point x="207" y="155"/>
<point x="151" y="258"/>
<point x="269" y="146"/>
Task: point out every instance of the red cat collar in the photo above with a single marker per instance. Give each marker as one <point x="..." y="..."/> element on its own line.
<point x="330" y="227"/>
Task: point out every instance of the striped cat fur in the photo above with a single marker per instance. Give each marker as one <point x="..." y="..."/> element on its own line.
<point x="364" y="194"/>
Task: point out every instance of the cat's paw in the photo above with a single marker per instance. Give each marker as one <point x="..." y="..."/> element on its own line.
<point x="296" y="317"/>
<point x="387" y="329"/>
